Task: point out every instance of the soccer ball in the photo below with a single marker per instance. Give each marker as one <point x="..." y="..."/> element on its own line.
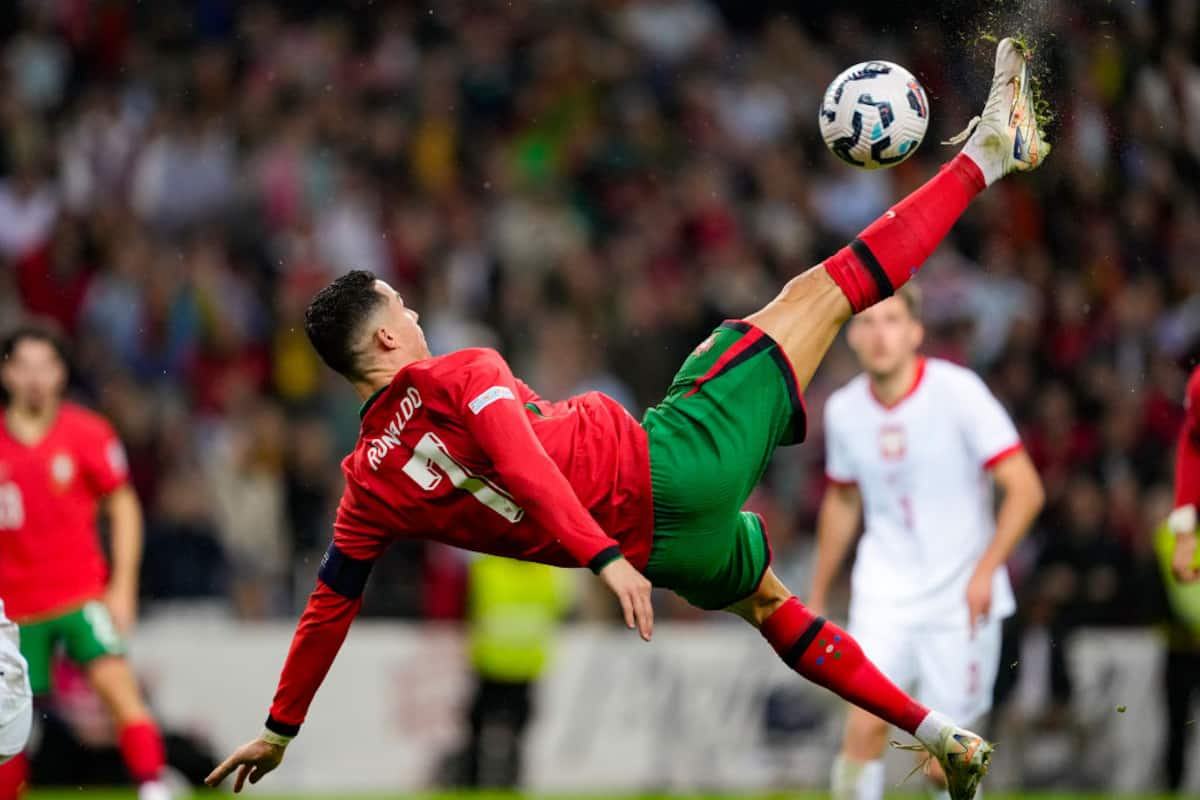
<point x="874" y="115"/>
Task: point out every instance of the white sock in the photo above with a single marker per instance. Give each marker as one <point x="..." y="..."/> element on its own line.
<point x="990" y="163"/>
<point x="929" y="732"/>
<point x="154" y="790"/>
<point x="857" y="780"/>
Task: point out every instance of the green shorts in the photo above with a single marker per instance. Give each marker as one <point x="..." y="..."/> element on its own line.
<point x="85" y="634"/>
<point x="731" y="404"/>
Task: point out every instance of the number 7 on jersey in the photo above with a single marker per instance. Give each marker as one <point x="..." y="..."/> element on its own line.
<point x="431" y="452"/>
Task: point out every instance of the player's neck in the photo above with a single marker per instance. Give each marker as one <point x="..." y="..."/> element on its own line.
<point x="30" y="425"/>
<point x="379" y="376"/>
<point x="891" y="388"/>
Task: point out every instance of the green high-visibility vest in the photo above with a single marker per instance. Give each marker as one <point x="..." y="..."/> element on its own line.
<point x="1184" y="599"/>
<point x="514" y="610"/>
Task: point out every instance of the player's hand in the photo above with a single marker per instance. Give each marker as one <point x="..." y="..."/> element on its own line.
<point x="979" y="596"/>
<point x="252" y="760"/>
<point x="633" y="590"/>
<point x="122" y="607"/>
<point x="1183" y="563"/>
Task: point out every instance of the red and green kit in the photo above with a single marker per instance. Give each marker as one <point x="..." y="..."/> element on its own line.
<point x="457" y="450"/>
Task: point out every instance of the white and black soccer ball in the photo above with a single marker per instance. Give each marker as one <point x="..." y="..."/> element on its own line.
<point x="874" y="115"/>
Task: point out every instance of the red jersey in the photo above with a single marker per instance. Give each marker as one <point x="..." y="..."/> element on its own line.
<point x="1187" y="459"/>
<point x="50" y="556"/>
<point x="459" y="451"/>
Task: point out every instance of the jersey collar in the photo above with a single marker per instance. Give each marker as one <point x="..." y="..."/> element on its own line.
<point x="370" y="401"/>
<point x="917" y="378"/>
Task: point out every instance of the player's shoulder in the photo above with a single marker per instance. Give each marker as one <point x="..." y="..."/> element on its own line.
<point x="76" y="418"/>
<point x="946" y="374"/>
<point x="454" y="365"/>
<point x="848" y="398"/>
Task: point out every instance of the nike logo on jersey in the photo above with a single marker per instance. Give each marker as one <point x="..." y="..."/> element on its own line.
<point x="380" y="446"/>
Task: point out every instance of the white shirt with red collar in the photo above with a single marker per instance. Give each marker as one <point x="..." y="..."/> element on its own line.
<point x="923" y="467"/>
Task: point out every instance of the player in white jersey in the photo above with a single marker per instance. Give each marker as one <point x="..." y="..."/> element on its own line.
<point x="16" y="699"/>
<point x="914" y="445"/>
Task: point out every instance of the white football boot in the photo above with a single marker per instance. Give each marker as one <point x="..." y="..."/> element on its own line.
<point x="964" y="758"/>
<point x="1005" y="137"/>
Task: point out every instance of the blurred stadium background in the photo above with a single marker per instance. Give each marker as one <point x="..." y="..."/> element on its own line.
<point x="588" y="185"/>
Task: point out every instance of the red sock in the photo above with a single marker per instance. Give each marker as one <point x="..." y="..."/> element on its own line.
<point x="14" y="773"/>
<point x="142" y="750"/>
<point x="893" y="247"/>
<point x="826" y="655"/>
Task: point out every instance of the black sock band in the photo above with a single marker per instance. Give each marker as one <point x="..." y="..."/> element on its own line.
<point x="806" y="638"/>
<point x="882" y="283"/>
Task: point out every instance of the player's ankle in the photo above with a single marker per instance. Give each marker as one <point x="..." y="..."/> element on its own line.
<point x="929" y="731"/>
<point x="981" y="150"/>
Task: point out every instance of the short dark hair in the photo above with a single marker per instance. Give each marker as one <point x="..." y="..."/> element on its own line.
<point x="335" y="316"/>
<point x="36" y="331"/>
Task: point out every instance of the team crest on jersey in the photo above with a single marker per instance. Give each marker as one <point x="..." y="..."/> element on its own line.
<point x="62" y="469"/>
<point x="705" y="346"/>
<point x="893" y="442"/>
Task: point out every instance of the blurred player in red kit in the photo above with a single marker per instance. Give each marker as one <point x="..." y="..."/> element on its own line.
<point x="1182" y="520"/>
<point x="457" y="450"/>
<point x="59" y="464"/>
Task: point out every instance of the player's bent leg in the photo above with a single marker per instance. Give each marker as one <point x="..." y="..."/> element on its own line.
<point x="826" y="655"/>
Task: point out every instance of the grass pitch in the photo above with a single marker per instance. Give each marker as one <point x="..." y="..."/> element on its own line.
<point x="252" y="794"/>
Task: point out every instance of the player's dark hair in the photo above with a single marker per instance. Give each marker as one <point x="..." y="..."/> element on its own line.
<point x="334" y="319"/>
<point x="36" y="331"/>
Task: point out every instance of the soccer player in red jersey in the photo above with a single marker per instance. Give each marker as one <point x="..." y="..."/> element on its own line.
<point x="457" y="450"/>
<point x="59" y="463"/>
<point x="1182" y="520"/>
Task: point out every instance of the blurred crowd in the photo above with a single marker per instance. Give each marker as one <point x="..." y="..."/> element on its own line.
<point x="588" y="185"/>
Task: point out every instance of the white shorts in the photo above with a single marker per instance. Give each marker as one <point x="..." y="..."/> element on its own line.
<point x="946" y="669"/>
<point x="16" y="700"/>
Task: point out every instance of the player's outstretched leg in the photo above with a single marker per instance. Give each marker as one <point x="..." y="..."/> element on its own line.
<point x="825" y="654"/>
<point x="805" y="317"/>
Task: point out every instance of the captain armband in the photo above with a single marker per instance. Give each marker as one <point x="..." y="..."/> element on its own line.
<point x="345" y="575"/>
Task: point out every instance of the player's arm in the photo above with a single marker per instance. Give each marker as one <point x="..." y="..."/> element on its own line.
<point x="837" y="524"/>
<point x="497" y="420"/>
<point x="105" y="468"/>
<point x="125" y="522"/>
<point x="841" y="508"/>
<point x="322" y="629"/>
<point x="1022" y="500"/>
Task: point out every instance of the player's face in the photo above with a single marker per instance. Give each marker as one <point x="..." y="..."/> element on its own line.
<point x="34" y="376"/>
<point x="400" y="320"/>
<point x="885" y="337"/>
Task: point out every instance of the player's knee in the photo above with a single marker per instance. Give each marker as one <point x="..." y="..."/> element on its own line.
<point x="767" y="598"/>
